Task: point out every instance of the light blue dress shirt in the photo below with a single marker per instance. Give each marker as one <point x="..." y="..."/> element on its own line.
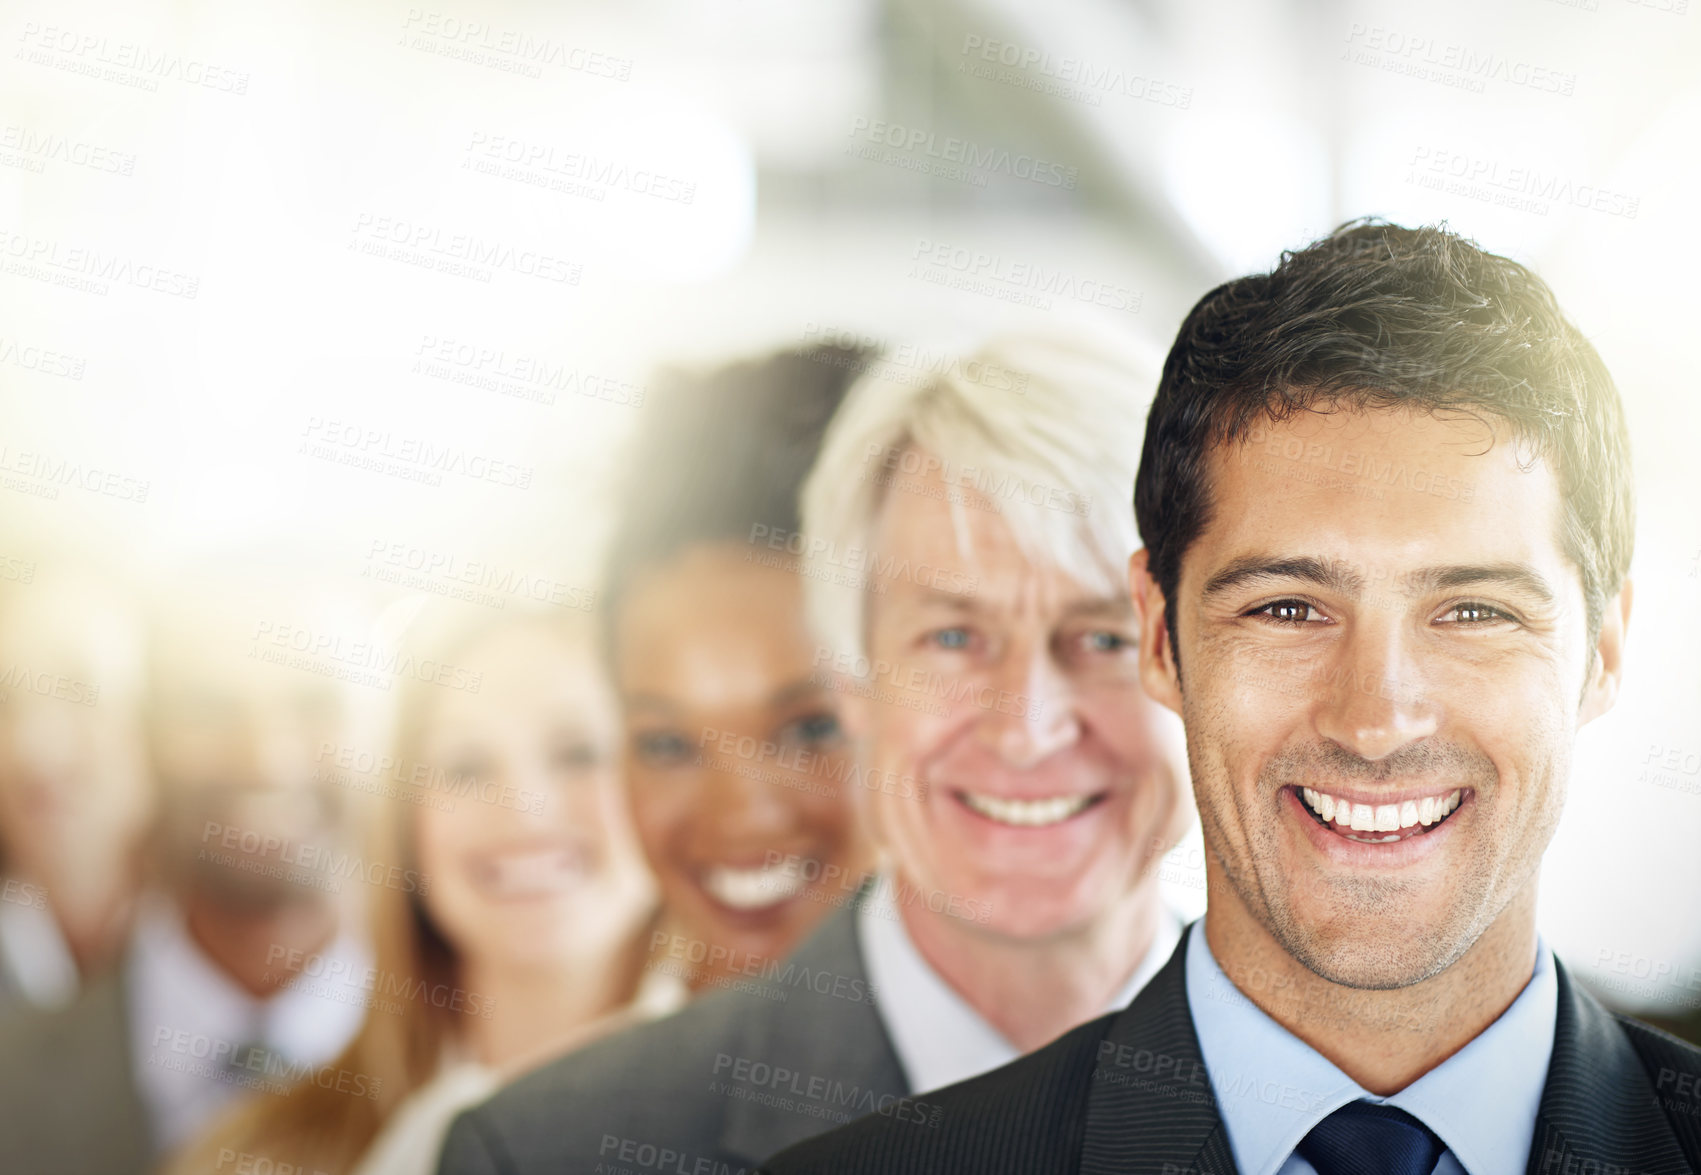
<point x="1272" y="1088"/>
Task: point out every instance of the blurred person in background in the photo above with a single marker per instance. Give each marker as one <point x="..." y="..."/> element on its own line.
<point x="716" y="669"/>
<point x="75" y="797"/>
<point x="969" y="535"/>
<point x="249" y="863"/>
<point x="528" y="931"/>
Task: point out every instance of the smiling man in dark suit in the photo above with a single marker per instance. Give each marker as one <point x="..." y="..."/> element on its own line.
<point x="1386" y="499"/>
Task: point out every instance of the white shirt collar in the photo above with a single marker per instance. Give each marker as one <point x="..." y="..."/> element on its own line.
<point x="187" y="1017"/>
<point x="33" y="951"/>
<point x="939" y="1037"/>
<point x="1272" y="1088"/>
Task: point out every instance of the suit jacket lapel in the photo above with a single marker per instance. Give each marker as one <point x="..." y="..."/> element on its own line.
<point x="1150" y="1109"/>
<point x="1598" y="1110"/>
<point x="827" y="1031"/>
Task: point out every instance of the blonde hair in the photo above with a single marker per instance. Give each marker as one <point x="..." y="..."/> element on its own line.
<point x="1047" y="426"/>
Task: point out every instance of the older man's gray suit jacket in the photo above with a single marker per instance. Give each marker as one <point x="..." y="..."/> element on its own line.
<point x="711" y="1090"/>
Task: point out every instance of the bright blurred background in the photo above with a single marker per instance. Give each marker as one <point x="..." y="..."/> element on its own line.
<point x="374" y="287"/>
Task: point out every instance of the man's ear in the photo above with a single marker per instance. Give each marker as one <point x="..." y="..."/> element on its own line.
<point x="1607" y="666"/>
<point x="1158" y="672"/>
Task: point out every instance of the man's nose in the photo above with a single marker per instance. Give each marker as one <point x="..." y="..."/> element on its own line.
<point x="1030" y="708"/>
<point x="1374" y="701"/>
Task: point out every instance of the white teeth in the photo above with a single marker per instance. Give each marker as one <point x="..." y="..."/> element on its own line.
<point x="754" y="889"/>
<point x="1027" y="813"/>
<point x="1381" y="817"/>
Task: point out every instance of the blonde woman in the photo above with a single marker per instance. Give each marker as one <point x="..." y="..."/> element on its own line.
<point x="518" y="921"/>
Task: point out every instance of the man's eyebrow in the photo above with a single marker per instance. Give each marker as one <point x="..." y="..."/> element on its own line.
<point x="1520" y="576"/>
<point x="1325" y="573"/>
<point x="800" y="690"/>
<point x="956" y="601"/>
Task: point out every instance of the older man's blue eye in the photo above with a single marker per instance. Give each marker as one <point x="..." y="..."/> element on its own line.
<point x="1107" y="642"/>
<point x="660" y="747"/>
<point x="817" y="728"/>
<point x="951" y="638"/>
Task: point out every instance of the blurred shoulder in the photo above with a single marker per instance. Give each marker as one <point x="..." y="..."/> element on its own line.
<point x="646" y="1082"/>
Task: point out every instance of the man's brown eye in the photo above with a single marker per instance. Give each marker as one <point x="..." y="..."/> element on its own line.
<point x="1476" y="613"/>
<point x="1288" y="611"/>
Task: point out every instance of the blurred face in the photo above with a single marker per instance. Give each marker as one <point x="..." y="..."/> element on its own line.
<point x="74" y="794"/>
<point x="1010" y="693"/>
<point x="237" y="743"/>
<point x="1381" y="686"/>
<point x="736" y="764"/>
<point x="537" y="863"/>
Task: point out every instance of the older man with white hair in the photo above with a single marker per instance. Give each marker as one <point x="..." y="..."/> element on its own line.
<point x="965" y="537"/>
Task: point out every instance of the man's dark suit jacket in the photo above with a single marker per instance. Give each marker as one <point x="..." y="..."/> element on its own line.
<point x="711" y="1090"/>
<point x="1129" y="1094"/>
<point x="68" y="1104"/>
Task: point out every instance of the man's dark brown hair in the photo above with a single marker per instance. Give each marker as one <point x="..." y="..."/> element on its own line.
<point x="1379" y="316"/>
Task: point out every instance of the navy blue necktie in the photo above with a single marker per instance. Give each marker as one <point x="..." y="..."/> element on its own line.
<point x="1362" y="1138"/>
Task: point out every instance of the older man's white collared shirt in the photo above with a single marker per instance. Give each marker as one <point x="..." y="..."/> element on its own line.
<point x="939" y="1038"/>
